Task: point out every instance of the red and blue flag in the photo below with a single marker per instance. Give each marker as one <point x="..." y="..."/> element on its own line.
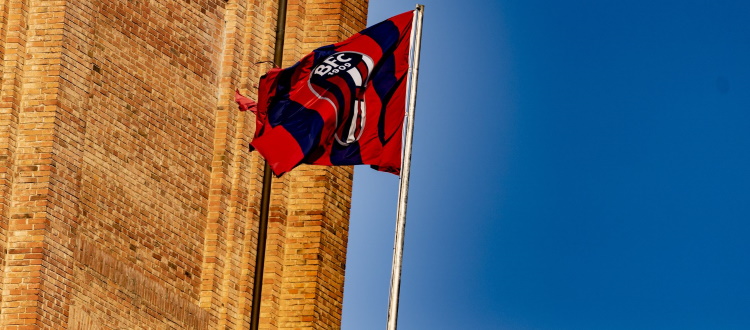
<point x="342" y="104"/>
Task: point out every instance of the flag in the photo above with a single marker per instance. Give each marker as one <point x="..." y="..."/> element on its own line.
<point x="342" y="104"/>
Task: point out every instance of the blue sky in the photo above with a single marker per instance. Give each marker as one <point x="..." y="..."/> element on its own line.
<point x="576" y="165"/>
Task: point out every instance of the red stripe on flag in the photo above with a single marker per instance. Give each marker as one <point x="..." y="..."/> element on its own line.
<point x="279" y="148"/>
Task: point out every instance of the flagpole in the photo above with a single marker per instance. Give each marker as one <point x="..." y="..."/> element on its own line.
<point x="265" y="199"/>
<point x="398" y="244"/>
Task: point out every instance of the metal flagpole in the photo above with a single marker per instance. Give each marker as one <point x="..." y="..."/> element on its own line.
<point x="398" y="244"/>
<point x="265" y="199"/>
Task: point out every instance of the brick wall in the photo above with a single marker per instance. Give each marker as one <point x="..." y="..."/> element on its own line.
<point x="128" y="198"/>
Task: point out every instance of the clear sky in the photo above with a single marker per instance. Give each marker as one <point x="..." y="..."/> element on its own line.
<point x="576" y="165"/>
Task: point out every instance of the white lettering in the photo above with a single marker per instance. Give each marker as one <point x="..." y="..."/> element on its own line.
<point x="322" y="70"/>
<point x="341" y="58"/>
<point x="333" y="64"/>
<point x="331" y="61"/>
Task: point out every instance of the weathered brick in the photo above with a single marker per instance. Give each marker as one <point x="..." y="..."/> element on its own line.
<point x="128" y="198"/>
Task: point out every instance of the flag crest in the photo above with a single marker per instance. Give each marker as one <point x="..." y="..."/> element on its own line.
<point x="342" y="104"/>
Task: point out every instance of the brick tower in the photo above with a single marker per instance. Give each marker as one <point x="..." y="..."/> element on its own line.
<point x="128" y="197"/>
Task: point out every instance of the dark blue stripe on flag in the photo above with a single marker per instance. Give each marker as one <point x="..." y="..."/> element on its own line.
<point x="385" y="34"/>
<point x="305" y="126"/>
<point x="348" y="155"/>
<point x="384" y="78"/>
<point x="281" y="107"/>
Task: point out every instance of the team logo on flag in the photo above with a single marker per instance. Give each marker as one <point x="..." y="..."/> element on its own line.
<point x="341" y="104"/>
<point x="341" y="79"/>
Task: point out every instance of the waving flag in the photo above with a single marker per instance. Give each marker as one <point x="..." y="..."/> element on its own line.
<point x="342" y="104"/>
